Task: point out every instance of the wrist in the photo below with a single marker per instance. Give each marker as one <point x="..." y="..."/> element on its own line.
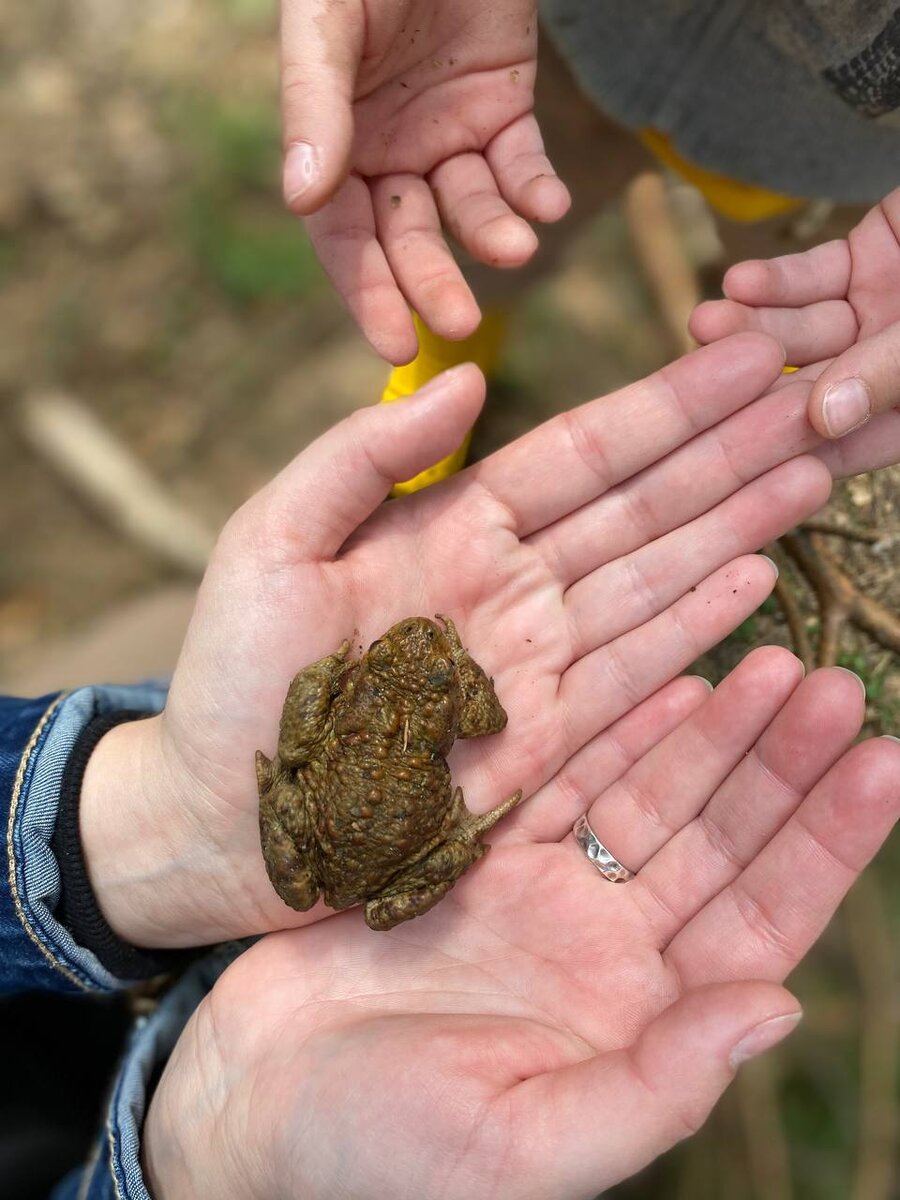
<point x="189" y="1149"/>
<point x="143" y="865"/>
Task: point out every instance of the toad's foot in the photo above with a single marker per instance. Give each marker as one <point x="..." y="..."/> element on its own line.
<point x="474" y="827"/>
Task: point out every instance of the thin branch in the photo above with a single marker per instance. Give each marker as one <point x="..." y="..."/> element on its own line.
<point x="852" y="533"/>
<point x="872" y="947"/>
<point x="793" y="614"/>
<point x="767" y="1148"/>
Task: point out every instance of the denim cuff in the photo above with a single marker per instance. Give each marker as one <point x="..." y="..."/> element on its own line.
<point x="114" y="1170"/>
<point x="36" y="739"/>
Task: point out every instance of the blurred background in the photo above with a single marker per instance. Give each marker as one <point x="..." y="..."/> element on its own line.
<point x="162" y="316"/>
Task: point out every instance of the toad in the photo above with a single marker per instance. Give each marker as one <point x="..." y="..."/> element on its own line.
<point x="357" y="804"/>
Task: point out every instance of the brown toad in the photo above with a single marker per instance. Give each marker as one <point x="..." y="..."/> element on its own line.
<point x="357" y="802"/>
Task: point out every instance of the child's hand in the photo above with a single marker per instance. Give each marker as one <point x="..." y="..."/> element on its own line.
<point x="400" y="117"/>
<point x="839" y="301"/>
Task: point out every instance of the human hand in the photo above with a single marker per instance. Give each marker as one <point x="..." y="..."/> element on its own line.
<point x="396" y="118"/>
<point x="837" y="302"/>
<point x="585" y="565"/>
<point x="544" y="1032"/>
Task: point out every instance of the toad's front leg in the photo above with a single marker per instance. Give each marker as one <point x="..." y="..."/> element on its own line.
<point x="480" y="712"/>
<point x="307" y="707"/>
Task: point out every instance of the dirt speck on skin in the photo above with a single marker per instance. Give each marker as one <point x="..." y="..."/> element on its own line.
<point x="514" y="75"/>
<point x="396" y="201"/>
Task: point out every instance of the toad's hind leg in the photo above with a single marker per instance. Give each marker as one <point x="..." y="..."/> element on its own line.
<point x="424" y="883"/>
<point x="389" y="911"/>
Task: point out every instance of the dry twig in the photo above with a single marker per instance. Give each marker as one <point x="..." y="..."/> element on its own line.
<point x="105" y="472"/>
<point x="838" y="597"/>
<point x="879" y="1110"/>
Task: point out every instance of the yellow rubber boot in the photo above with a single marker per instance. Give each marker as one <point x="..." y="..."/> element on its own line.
<point x="436" y="355"/>
<point x="735" y="200"/>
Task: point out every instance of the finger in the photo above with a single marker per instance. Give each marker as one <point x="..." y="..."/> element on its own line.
<point x="817" y="331"/>
<point x="579" y="455"/>
<point x="792" y="280"/>
<point x="551" y="811"/>
<point x="752" y="803"/>
<point x="524" y="173"/>
<point x="692" y="480"/>
<point x="321" y="45"/>
<point x="875" y="445"/>
<point x="310" y="509"/>
<point x="344" y="237"/>
<point x="477" y="215"/>
<point x="862" y="382"/>
<point x="762" y="924"/>
<point x="644" y="1098"/>
<point x="665" y="790"/>
<point x="409" y="230"/>
<point x="623" y="594"/>
<point x="598" y="688"/>
<point x="688" y="482"/>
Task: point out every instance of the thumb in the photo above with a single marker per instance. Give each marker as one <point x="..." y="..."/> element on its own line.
<point x="321" y="46"/>
<point x="614" y="1113"/>
<point x="313" y="506"/>
<point x="863" y="381"/>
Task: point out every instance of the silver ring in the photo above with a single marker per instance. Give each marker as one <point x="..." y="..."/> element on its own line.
<point x="608" y="867"/>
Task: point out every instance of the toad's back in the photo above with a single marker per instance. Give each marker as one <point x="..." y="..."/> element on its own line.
<point x="381" y="789"/>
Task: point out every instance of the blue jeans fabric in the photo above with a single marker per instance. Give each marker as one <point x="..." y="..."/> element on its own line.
<point x="114" y="1170"/>
<point x="38" y="953"/>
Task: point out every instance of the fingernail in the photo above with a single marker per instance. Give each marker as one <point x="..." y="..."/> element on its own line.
<point x="846" y="406"/>
<point x="703" y="679"/>
<point x="890" y="737"/>
<point x="301" y="169"/>
<point x="856" y="677"/>
<point x="764" y="1037"/>
<point x="773" y="562"/>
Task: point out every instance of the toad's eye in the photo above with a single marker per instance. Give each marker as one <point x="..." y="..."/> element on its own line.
<point x="440" y="674"/>
<point x="431" y="634"/>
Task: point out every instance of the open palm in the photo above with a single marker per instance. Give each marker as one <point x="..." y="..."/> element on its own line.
<point x="544" y="1032"/>
<point x="398" y="117"/>
<point x="585" y="565"/>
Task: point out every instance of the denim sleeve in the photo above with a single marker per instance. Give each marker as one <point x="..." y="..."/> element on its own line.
<point x="36" y="737"/>
<point x="114" y="1169"/>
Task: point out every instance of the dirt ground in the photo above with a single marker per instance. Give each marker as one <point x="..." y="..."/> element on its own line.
<point x="146" y="269"/>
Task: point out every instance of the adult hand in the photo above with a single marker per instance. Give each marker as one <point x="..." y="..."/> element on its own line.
<point x="837" y="302"/>
<point x="543" y="1032"/>
<point x="585" y="565"/>
<point x="397" y="117"/>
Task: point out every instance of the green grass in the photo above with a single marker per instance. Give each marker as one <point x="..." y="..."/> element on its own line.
<point x="250" y="258"/>
<point x="230" y="215"/>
